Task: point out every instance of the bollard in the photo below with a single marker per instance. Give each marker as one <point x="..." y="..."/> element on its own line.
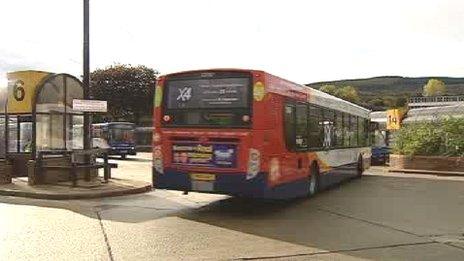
<point x="106" y="168"/>
<point x="73" y="174"/>
<point x="32" y="172"/>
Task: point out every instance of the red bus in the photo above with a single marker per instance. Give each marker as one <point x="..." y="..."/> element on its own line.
<point x="249" y="133"/>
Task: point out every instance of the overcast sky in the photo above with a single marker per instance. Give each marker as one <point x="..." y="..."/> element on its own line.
<point x="303" y="41"/>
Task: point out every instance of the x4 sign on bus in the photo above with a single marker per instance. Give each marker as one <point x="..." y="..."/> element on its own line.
<point x="90" y="105"/>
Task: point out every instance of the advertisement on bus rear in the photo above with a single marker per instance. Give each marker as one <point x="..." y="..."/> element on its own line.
<point x="211" y="155"/>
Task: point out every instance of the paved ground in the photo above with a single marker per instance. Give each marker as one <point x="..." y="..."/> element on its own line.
<point x="381" y="216"/>
<point x="84" y="190"/>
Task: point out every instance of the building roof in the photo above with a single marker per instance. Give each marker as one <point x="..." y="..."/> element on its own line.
<point x="378" y="116"/>
<point x="434" y="113"/>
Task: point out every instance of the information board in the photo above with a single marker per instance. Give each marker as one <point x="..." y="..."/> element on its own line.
<point x="90" y="105"/>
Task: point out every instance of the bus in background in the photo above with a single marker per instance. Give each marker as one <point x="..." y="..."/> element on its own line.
<point x="249" y="133"/>
<point x="380" y="138"/>
<point x="117" y="137"/>
<point x="143" y="139"/>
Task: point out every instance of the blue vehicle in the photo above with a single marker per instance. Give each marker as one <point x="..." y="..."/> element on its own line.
<point x="380" y="149"/>
<point x="117" y="137"/>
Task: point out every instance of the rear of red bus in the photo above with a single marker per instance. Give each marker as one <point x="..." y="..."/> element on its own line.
<point x="212" y="132"/>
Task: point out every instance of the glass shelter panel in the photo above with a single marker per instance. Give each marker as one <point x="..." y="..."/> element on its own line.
<point x="25" y="136"/>
<point x="58" y="127"/>
<point x="75" y="132"/>
<point x="13" y="134"/>
<point x="51" y="97"/>
<point x="3" y="99"/>
<point x="57" y="131"/>
<point x="73" y="91"/>
<point x="2" y="137"/>
<point x="43" y="132"/>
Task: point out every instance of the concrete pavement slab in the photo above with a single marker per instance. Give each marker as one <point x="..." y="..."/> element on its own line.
<point x="174" y="238"/>
<point x="146" y="200"/>
<point x="299" y="222"/>
<point x="457" y="244"/>
<point x="37" y="233"/>
<point x="234" y="229"/>
<point x="381" y="217"/>
<point x="416" y="205"/>
<point x="158" y="199"/>
<point x="422" y="252"/>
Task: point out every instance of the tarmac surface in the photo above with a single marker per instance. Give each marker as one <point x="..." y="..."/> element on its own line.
<point x="383" y="216"/>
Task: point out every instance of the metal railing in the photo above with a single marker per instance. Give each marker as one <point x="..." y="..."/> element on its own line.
<point x="436" y="99"/>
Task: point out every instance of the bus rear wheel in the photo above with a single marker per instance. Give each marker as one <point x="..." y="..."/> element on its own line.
<point x="313" y="181"/>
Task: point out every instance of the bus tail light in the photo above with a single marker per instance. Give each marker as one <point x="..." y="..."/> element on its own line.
<point x="274" y="169"/>
<point x="158" y="159"/>
<point x="254" y="161"/>
<point x="166" y="118"/>
<point x="156" y="137"/>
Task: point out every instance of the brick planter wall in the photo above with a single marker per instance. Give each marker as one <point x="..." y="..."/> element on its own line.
<point x="438" y="163"/>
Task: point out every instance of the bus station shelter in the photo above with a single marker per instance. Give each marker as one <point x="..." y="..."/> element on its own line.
<point x="36" y="118"/>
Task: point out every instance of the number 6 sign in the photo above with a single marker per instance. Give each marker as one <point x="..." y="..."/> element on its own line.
<point x="18" y="90"/>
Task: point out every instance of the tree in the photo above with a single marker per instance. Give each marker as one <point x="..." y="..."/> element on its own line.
<point x="434" y="87"/>
<point x="128" y="89"/>
<point x="329" y="88"/>
<point x="348" y="93"/>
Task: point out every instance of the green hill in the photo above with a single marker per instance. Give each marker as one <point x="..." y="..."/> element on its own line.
<point x="390" y="89"/>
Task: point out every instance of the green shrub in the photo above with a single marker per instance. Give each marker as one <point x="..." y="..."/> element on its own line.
<point x="438" y="138"/>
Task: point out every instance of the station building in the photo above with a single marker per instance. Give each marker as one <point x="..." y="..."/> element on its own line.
<point x="37" y="116"/>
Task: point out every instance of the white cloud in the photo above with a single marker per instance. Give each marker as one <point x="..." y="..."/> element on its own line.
<point x="303" y="41"/>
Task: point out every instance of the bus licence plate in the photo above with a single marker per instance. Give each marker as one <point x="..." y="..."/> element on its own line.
<point x="202" y="181"/>
<point x="203" y="176"/>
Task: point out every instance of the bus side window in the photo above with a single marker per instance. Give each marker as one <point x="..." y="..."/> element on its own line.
<point x="354" y="131"/>
<point x="301" y="128"/>
<point x="289" y="126"/>
<point x="362" y="138"/>
<point x="339" y="129"/>
<point x="329" y="133"/>
<point x="316" y="127"/>
<point x="346" y="130"/>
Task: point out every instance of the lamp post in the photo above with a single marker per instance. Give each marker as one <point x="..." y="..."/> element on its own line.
<point x="86" y="73"/>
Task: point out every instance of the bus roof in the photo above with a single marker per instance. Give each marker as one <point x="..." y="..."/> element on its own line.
<point x="210" y="70"/>
<point x="113" y="123"/>
<point x="288" y="88"/>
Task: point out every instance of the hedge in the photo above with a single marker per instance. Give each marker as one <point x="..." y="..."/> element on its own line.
<point x="437" y="138"/>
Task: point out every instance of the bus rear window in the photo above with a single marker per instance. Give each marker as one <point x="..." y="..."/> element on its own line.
<point x="122" y="133"/>
<point x="208" y="93"/>
<point x="208" y="101"/>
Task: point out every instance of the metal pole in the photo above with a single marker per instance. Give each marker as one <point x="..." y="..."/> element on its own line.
<point x="86" y="80"/>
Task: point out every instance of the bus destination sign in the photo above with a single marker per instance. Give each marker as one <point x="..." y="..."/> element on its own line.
<point x="208" y="93"/>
